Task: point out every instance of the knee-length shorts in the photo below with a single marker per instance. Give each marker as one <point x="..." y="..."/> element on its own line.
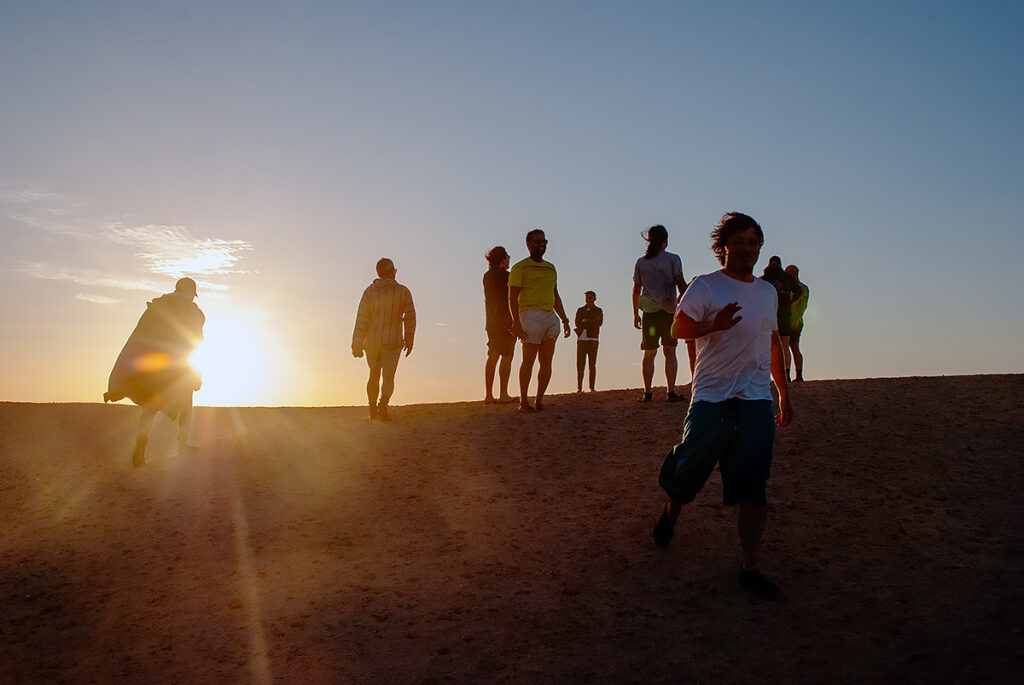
<point x="738" y="436"/>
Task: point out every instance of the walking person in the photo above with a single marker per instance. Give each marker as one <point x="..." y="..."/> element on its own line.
<point x="385" y="325"/>
<point x="501" y="343"/>
<point x="657" y="276"/>
<point x="153" y="369"/>
<point x="536" y="309"/>
<point x="589" y="319"/>
<point x="733" y="317"/>
<point x="798" y="308"/>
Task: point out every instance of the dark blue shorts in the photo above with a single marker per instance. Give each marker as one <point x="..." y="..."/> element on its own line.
<point x="736" y="434"/>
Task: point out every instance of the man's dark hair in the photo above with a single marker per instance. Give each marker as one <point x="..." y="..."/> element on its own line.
<point x="495" y="255"/>
<point x="655" y="236"/>
<point x="730" y="224"/>
<point x="534" y="232"/>
<point x="590" y="292"/>
<point x="384" y="265"/>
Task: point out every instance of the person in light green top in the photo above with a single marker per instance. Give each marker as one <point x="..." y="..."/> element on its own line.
<point x="536" y="309"/>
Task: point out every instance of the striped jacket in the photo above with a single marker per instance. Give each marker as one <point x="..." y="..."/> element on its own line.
<point x="385" y="308"/>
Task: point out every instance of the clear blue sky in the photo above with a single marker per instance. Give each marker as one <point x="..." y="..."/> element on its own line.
<point x="276" y="150"/>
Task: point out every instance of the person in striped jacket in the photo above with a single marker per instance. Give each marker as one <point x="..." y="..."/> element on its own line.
<point x="385" y="325"/>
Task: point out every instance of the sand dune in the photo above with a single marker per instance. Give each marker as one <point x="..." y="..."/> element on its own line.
<point x="466" y="543"/>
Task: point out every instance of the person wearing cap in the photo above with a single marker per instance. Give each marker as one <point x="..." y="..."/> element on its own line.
<point x="153" y="369"/>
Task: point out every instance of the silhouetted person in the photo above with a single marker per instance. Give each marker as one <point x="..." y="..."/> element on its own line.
<point x="153" y="370"/>
<point x="656" y="278"/>
<point x="733" y="317"/>
<point x="536" y="308"/>
<point x="501" y="343"/>
<point x="385" y="325"/>
<point x="798" y="308"/>
<point x="788" y="290"/>
<point x="588" y="322"/>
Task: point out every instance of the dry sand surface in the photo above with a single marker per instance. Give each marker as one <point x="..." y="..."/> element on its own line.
<point x="466" y="543"/>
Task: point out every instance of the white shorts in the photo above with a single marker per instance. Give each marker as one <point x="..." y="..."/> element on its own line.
<point x="539" y="325"/>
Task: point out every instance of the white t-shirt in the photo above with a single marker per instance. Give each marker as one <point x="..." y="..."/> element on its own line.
<point x="656" y="277"/>
<point x="734" y="362"/>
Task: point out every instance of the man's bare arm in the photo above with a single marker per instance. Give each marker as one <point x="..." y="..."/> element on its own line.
<point x="785" y="414"/>
<point x="560" y="310"/>
<point x="636" y="305"/>
<point x="513" y="308"/>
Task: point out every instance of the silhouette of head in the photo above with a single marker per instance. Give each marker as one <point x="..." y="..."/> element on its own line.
<point x="656" y="237"/>
<point x="536" y="243"/>
<point x="730" y="224"/>
<point x="186" y="286"/>
<point x="496" y="255"/>
<point x="386" y="268"/>
<point x="590" y="296"/>
<point x="792" y="270"/>
<point x="775" y="262"/>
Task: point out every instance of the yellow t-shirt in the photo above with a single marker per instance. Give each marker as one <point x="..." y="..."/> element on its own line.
<point x="538" y="281"/>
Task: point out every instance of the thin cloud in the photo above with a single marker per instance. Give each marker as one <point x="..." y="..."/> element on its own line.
<point x="163" y="250"/>
<point x="96" y="299"/>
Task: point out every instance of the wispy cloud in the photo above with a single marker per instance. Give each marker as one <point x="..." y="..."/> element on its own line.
<point x="160" y="250"/>
<point x="96" y="299"/>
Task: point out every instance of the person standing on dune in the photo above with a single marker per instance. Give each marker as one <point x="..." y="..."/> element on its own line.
<point x="501" y="344"/>
<point x="533" y="302"/>
<point x="153" y="369"/>
<point x="385" y="325"/>
<point x="733" y="316"/>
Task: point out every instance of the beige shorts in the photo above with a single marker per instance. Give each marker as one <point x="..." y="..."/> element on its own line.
<point x="539" y="325"/>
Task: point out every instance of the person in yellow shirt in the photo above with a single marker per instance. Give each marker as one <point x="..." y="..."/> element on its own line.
<point x="536" y="309"/>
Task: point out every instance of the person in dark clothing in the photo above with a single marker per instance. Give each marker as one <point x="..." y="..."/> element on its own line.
<point x="501" y="343"/>
<point x="588" y="322"/>
<point x="153" y="369"/>
<point x="788" y="291"/>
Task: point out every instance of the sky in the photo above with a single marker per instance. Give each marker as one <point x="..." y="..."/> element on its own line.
<point x="275" y="151"/>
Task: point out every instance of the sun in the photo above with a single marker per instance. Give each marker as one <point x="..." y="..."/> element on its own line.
<point x="234" y="360"/>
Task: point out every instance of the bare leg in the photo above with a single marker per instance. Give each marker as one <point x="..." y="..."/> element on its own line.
<point x="785" y="352"/>
<point x="545" y="355"/>
<point x="389" y="365"/>
<point x="798" y="358"/>
<point x="504" y="371"/>
<point x="184" y="424"/>
<point x="489" y="367"/>
<point x="373" y="385"/>
<point x="671" y="367"/>
<point x="142" y="436"/>
<point x="691" y="352"/>
<point x="647" y="366"/>
<point x="525" y="371"/>
<point x="750" y="524"/>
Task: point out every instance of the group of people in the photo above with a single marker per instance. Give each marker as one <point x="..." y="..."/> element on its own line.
<point x="738" y="330"/>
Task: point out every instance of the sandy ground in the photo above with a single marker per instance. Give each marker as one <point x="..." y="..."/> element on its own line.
<point x="466" y="543"/>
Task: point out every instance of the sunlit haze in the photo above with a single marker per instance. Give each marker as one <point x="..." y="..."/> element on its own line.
<point x="275" y="151"/>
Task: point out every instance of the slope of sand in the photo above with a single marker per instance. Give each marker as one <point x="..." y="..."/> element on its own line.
<point x="466" y="543"/>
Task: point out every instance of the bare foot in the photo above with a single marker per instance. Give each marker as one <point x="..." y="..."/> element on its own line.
<point x="507" y="399"/>
<point x="489" y="400"/>
<point x="525" y="408"/>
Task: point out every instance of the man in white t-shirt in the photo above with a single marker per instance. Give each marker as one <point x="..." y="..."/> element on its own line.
<point x="733" y="317"/>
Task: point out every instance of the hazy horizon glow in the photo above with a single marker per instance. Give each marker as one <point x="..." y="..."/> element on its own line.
<point x="275" y="152"/>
